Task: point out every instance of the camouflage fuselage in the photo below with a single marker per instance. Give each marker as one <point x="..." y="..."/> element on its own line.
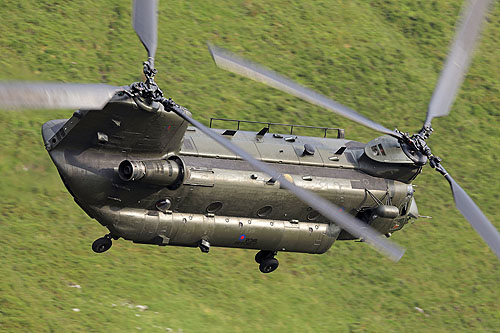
<point x="214" y="195"/>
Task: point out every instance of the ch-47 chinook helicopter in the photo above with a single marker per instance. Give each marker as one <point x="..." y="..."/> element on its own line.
<point x="131" y="161"/>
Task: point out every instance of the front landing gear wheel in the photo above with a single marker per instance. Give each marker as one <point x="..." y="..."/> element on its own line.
<point x="101" y="245"/>
<point x="262" y="255"/>
<point x="269" y="265"/>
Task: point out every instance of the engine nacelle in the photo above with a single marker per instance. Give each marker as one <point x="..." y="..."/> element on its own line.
<point x="157" y="172"/>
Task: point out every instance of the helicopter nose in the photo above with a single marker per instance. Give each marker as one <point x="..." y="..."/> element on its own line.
<point x="413" y="212"/>
<point x="411" y="190"/>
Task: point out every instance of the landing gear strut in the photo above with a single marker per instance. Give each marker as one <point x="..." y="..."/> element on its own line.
<point x="268" y="263"/>
<point x="102" y="244"/>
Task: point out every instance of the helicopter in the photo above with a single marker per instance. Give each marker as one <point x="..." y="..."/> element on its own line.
<point x="131" y="160"/>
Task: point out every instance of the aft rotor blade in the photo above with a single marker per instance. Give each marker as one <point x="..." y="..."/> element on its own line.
<point x="458" y="60"/>
<point x="145" y="21"/>
<point x="326" y="208"/>
<point x="475" y="216"/>
<point x="228" y="61"/>
<point x="43" y="95"/>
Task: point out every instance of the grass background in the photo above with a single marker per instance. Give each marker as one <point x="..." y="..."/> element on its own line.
<point x="380" y="57"/>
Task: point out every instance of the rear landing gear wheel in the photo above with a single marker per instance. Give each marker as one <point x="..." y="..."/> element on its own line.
<point x="102" y="244"/>
<point x="269" y="265"/>
<point x="262" y="255"/>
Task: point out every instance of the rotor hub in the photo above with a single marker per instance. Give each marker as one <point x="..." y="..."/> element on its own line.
<point x="416" y="148"/>
<point x="148" y="89"/>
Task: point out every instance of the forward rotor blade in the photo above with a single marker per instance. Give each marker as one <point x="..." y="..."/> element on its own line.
<point x="237" y="65"/>
<point x="145" y="21"/>
<point x="326" y="208"/>
<point x="43" y="95"/>
<point x="475" y="216"/>
<point x="458" y="60"/>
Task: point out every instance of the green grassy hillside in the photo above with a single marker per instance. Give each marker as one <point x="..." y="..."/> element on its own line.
<point x="380" y="57"/>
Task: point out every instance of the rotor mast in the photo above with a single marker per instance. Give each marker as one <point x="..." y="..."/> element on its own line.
<point x="145" y="22"/>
